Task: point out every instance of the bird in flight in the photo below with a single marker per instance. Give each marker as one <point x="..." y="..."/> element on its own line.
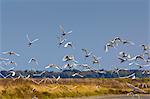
<point x="68" y="44"/>
<point x="30" y="42"/>
<point x="87" y="53"/>
<point x="11" y="53"/>
<point x="64" y="33"/>
<point x="33" y="60"/>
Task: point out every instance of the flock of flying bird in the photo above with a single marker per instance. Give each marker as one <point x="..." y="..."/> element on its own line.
<point x="71" y="61"/>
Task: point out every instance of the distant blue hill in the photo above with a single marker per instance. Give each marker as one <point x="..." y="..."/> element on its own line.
<point x="85" y="74"/>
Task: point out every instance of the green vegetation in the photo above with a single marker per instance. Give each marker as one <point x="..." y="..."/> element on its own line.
<point x="26" y="89"/>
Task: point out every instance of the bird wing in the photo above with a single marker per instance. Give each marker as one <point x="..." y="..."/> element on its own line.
<point x="13" y="73"/>
<point x="30" y="60"/>
<point x="5" y="52"/>
<point x="48" y="66"/>
<point x="17" y="54"/>
<point x="66" y="45"/>
<point x="69" y="32"/>
<point x="106" y="48"/>
<point x="28" y="38"/>
<point x="35" y="40"/>
<point x="130" y="42"/>
<point x="62" y="28"/>
<point x="58" y="78"/>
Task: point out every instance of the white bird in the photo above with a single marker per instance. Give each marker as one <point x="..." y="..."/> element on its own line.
<point x="37" y="82"/>
<point x="33" y="60"/>
<point x="139" y="65"/>
<point x="87" y="53"/>
<point x="3" y="59"/>
<point x="58" y="78"/>
<point x="145" y="47"/>
<point x="39" y="74"/>
<point x="70" y="65"/>
<point x="148" y="56"/>
<point x="13" y="73"/>
<point x="61" y="40"/>
<point x="132" y="76"/>
<point x="12" y="63"/>
<point x="141" y="57"/>
<point x="77" y="74"/>
<point x="3" y="63"/>
<point x="124" y="55"/>
<point x="64" y="33"/>
<point x="11" y="53"/>
<point x="110" y="44"/>
<point x="127" y="42"/>
<point x="67" y="58"/>
<point x="117" y="39"/>
<point x="86" y="66"/>
<point x="99" y="71"/>
<point x="53" y="66"/>
<point x="122" y="59"/>
<point x="68" y="44"/>
<point x="5" y="76"/>
<point x="31" y="42"/>
<point x="96" y="60"/>
<point x="135" y="89"/>
<point x="10" y="69"/>
<point x="116" y="70"/>
<point x="25" y="77"/>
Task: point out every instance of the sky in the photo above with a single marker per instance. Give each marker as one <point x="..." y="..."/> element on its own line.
<point x="93" y="22"/>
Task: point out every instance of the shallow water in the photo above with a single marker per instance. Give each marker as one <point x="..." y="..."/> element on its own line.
<point x="113" y="97"/>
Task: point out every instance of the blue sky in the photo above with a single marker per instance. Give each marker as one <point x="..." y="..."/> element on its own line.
<point x="93" y="22"/>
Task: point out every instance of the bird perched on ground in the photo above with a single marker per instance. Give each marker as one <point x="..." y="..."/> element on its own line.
<point x="11" y="53"/>
<point x="31" y="42"/>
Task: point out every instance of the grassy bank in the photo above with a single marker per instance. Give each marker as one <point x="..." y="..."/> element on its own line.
<point x="26" y="89"/>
